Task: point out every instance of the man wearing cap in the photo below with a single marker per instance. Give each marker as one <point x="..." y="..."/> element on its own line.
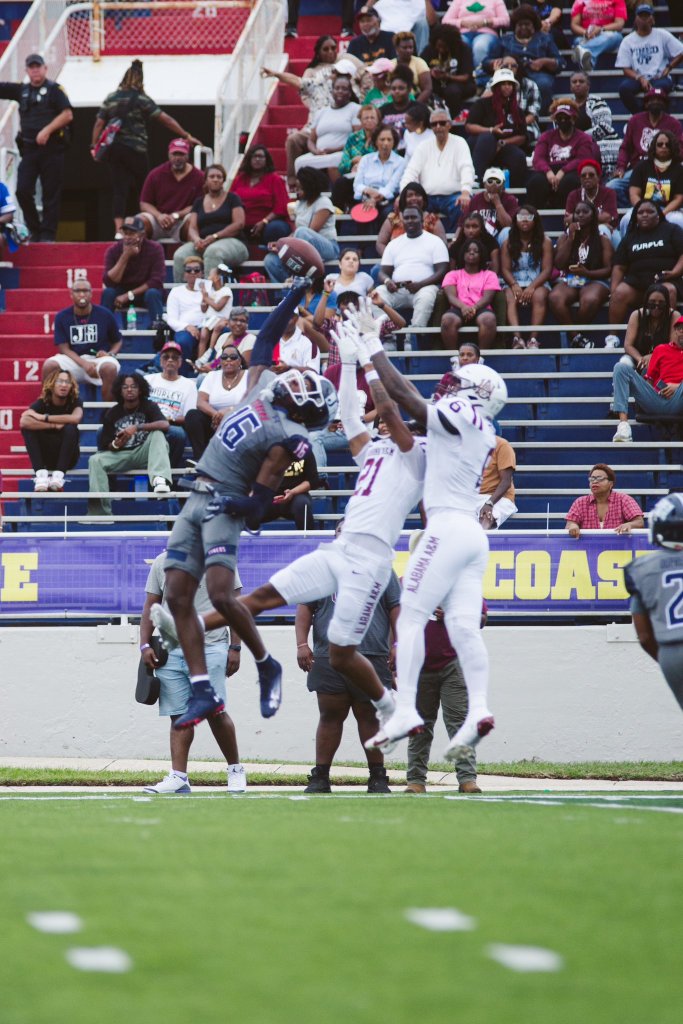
<point x="443" y="166"/>
<point x="659" y="392"/>
<point x="87" y="338"/>
<point x="646" y="56"/>
<point x="175" y="396"/>
<point x="557" y="156"/>
<point x="597" y="26"/>
<point x="44" y="113"/>
<point x="169" y="192"/>
<point x="640" y="131"/>
<point x="496" y="206"/>
<point x="373" y="41"/>
<point x="134" y="271"/>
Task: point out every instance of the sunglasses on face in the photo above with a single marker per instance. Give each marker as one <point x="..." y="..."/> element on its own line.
<point x="193" y="270"/>
<point x="230" y="355"/>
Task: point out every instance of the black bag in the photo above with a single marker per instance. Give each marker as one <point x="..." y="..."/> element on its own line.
<point x="163" y="333"/>
<point x="147" y="688"/>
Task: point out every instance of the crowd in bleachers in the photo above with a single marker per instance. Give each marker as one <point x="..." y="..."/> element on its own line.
<point x="420" y="136"/>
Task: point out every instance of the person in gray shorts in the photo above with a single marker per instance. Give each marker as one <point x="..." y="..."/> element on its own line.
<point x="237" y="478"/>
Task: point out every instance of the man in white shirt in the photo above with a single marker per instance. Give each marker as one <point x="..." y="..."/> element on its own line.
<point x="296" y="350"/>
<point x="443" y="166"/>
<point x="407" y="16"/>
<point x="413" y="266"/>
<point x="175" y="396"/>
<point x="646" y="56"/>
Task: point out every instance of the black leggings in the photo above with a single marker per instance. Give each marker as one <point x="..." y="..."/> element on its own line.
<point x="199" y="431"/>
<point x="127" y="168"/>
<point x="53" y="449"/>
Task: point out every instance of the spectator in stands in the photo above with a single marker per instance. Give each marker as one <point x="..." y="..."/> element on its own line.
<point x="647" y="57"/>
<point x="443" y="166"/>
<point x="557" y="156"/>
<point x="381" y="73"/>
<point x="479" y="24"/>
<point x="497" y="491"/>
<point x="314" y="221"/>
<point x="527" y="264"/>
<point x="358" y="145"/>
<point x="639" y="134"/>
<point x="658" y="177"/>
<point x="217" y="299"/>
<point x="330" y="129"/>
<point x="349" y="279"/>
<point x="551" y="21"/>
<point x="373" y="42"/>
<point x="87" y="339"/>
<point x="584" y="259"/>
<point x="497" y="130"/>
<point x="413" y="267"/>
<point x="595" y="119"/>
<point x="133" y="437"/>
<point x="169" y="192"/>
<point x="604" y="199"/>
<point x="649" y="327"/>
<point x="336" y="695"/>
<point x="395" y="111"/>
<point x="597" y="26"/>
<point x="50" y="430"/>
<point x="296" y="350"/>
<point x="216" y="229"/>
<point x="417" y="128"/>
<point x="496" y="206"/>
<point x="326" y="319"/>
<point x="466" y="354"/>
<point x="44" y="116"/>
<point x="474" y="228"/>
<point x="263" y="195"/>
<point x="293" y="498"/>
<point x="604" y="508"/>
<point x="7" y="210"/>
<point x="406" y="56"/>
<point x="528" y="97"/>
<point x="534" y="50"/>
<point x="378" y="175"/>
<point x="449" y="60"/>
<point x="414" y="16"/>
<point x="184" y="314"/>
<point x="218" y="394"/>
<point x="175" y="395"/>
<point x="134" y="270"/>
<point x="411" y="195"/>
<point x="651" y="250"/>
<point x="126" y="157"/>
<point x="658" y="392"/>
<point x="470" y="290"/>
<point x="237" y="335"/>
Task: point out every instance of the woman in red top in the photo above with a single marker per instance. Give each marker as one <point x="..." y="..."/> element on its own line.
<point x="264" y="197"/>
<point x="604" y="508"/>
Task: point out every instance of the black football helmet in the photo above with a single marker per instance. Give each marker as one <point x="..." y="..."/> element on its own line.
<point x="666" y="522"/>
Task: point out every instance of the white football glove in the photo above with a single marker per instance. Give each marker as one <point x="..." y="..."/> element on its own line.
<point x="364" y="321"/>
<point x="363" y="352"/>
<point x="346" y="337"/>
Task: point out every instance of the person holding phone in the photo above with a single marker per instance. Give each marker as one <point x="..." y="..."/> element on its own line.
<point x="584" y="259"/>
<point x="659" y="392"/>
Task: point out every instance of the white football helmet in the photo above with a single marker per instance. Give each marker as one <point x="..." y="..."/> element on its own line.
<point x="483" y="387"/>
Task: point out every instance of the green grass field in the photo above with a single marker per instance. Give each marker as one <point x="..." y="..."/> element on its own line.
<point x="269" y="909"/>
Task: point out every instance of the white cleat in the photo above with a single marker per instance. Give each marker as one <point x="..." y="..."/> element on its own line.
<point x="404" y="722"/>
<point x="468" y="736"/>
<point x="163" y="620"/>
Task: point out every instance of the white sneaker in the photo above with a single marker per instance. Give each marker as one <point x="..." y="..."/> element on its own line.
<point x="42" y="480"/>
<point x="171" y="785"/>
<point x="163" y="620"/>
<point x="160" y="485"/>
<point x="623" y="432"/>
<point x="612" y="341"/>
<point x="468" y="735"/>
<point x="404" y="722"/>
<point x="57" y="481"/>
<point x="237" y="778"/>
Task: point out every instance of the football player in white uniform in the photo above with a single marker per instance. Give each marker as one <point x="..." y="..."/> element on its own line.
<point x="357" y="565"/>
<point x="447" y="567"/>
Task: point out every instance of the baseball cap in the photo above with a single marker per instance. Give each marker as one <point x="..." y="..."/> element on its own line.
<point x="179" y="146"/>
<point x="656" y="94"/>
<point x="563" y="108"/>
<point x="133" y="224"/>
<point x="679" y="322"/>
<point x="366" y="11"/>
<point x="493" y="174"/>
<point x="171" y="346"/>
<point x="345" y="67"/>
<point x="33" y="58"/>
<point x="644" y="9"/>
<point x="504" y="75"/>
<point x="382" y="66"/>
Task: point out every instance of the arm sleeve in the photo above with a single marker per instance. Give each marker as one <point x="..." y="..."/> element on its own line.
<point x="273" y="328"/>
<point x="575" y="514"/>
<point x="540" y="157"/>
<point x="61" y="333"/>
<point x="349" y="408"/>
<point x="173" y="310"/>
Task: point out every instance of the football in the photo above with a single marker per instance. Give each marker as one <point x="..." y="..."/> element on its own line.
<point x="300" y="257"/>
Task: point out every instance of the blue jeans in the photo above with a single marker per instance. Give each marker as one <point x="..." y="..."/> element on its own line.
<point x="421" y="32"/>
<point x="620" y="186"/>
<point x="546" y="85"/>
<point x="626" y="380"/>
<point x="328" y="249"/>
<point x="324" y="441"/>
<point x="449" y="209"/>
<point x="630" y="91"/>
<point x="606" y="42"/>
<point x="174" y="678"/>
<point x="175" y="436"/>
<point x="482" y="45"/>
<point x="152" y="299"/>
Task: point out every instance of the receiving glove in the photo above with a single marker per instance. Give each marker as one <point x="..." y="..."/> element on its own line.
<point x="367" y="327"/>
<point x="346" y="337"/>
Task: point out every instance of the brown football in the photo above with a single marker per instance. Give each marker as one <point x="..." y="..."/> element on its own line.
<point x="300" y="257"/>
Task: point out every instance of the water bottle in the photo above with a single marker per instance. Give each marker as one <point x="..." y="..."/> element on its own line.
<point x="131" y="318"/>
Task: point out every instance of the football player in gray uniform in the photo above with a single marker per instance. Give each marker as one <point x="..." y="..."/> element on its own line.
<point x="655" y="583"/>
<point x="237" y="478"/>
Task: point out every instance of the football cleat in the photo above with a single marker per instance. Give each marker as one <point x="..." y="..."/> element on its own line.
<point x="163" y="620"/>
<point x="468" y="736"/>
<point x="204" y="703"/>
<point x="270" y="682"/>
<point x="404" y="722"/>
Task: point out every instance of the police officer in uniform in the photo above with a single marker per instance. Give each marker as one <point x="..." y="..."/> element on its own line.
<point x="44" y="113"/>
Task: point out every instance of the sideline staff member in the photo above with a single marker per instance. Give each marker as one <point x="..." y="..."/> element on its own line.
<point x="44" y="113"/>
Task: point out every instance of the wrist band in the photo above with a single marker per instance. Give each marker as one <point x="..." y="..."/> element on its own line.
<point x="305" y="644"/>
<point x="371" y="375"/>
<point x="143" y="647"/>
<point x="235" y="647"/>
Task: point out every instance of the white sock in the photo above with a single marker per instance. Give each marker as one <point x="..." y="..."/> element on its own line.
<point x="474" y="661"/>
<point x="410" y="655"/>
<point x="386" y="701"/>
<point x="259" y="661"/>
<point x="181" y="775"/>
